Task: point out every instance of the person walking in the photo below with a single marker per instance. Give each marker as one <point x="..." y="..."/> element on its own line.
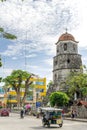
<point x="72" y="114"/>
<point x="22" y="113"/>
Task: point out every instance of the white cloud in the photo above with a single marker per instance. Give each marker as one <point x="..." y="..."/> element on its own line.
<point x="40" y="21"/>
<point x="49" y="62"/>
<point x="13" y="50"/>
<point x="84" y="60"/>
<point x="5" y="72"/>
<point x="38" y="25"/>
<point x="36" y="18"/>
<point x="14" y="58"/>
<point x="31" y="55"/>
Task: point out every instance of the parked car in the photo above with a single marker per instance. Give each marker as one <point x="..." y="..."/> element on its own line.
<point x="4" y="112"/>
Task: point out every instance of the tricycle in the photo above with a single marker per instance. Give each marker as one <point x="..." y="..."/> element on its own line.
<point x="51" y="115"/>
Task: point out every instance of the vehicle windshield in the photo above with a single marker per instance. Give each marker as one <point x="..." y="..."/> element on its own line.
<point x="55" y="113"/>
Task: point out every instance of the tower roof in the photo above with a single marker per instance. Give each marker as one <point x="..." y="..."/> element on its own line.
<point x="66" y="36"/>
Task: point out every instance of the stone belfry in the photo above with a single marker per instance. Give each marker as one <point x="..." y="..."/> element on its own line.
<point x="66" y="60"/>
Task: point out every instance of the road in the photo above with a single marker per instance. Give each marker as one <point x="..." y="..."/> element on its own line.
<point x="13" y="122"/>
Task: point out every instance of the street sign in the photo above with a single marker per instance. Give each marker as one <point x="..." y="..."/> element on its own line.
<point x="38" y="104"/>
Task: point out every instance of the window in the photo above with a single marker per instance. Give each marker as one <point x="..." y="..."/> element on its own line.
<point x="57" y="50"/>
<point x="13" y="88"/>
<point x="55" y="77"/>
<point x="68" y="61"/>
<point x="65" y="47"/>
<point x="41" y="90"/>
<point x="73" y="47"/>
<point x="55" y="62"/>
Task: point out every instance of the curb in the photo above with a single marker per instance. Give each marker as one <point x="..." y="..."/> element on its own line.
<point x="76" y="119"/>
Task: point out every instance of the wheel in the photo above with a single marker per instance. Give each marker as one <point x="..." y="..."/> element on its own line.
<point x="48" y="125"/>
<point x="43" y="123"/>
<point x="60" y="125"/>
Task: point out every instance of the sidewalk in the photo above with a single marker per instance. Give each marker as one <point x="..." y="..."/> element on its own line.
<point x="75" y="119"/>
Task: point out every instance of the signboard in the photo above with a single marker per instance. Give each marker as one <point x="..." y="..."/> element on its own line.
<point x="39" y="83"/>
<point x="38" y="104"/>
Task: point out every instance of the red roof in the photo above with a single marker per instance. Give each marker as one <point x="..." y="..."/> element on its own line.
<point x="66" y="36"/>
<point x="82" y="103"/>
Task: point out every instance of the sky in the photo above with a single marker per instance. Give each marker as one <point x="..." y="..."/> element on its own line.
<point x="38" y="24"/>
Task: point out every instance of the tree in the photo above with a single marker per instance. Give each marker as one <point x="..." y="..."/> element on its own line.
<point x="77" y="83"/>
<point x="7" y="35"/>
<point x="0" y="62"/>
<point x="59" y="99"/>
<point x="2" y="0"/>
<point x="19" y="79"/>
<point x="50" y="84"/>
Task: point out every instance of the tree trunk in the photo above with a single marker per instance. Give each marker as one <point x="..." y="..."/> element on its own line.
<point x="18" y="100"/>
<point x="27" y="85"/>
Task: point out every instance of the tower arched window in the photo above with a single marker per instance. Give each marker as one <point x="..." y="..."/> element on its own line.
<point x="57" y="49"/>
<point x="65" y="47"/>
<point x="68" y="61"/>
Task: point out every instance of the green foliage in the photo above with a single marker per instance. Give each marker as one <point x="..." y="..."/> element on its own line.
<point x="0" y="62"/>
<point x="77" y="82"/>
<point x="58" y="99"/>
<point x="1" y="107"/>
<point x="50" y="84"/>
<point x="2" y="0"/>
<point x="1" y="30"/>
<point x="9" y="36"/>
<point x="19" y="79"/>
<point x="0" y="79"/>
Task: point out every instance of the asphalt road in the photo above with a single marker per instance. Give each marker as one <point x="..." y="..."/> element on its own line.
<point x="13" y="122"/>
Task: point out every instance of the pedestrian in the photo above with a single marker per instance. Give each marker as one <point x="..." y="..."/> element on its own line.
<point x="22" y="113"/>
<point x="63" y="113"/>
<point x="75" y="113"/>
<point x="47" y="115"/>
<point x="72" y="114"/>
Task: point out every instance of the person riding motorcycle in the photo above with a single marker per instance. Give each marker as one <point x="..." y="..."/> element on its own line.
<point x="46" y="117"/>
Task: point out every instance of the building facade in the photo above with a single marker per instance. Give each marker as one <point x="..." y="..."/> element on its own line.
<point x="2" y="92"/>
<point x="34" y="97"/>
<point x="66" y="60"/>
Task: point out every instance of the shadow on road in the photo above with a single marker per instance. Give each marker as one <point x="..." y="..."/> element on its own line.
<point x="41" y="127"/>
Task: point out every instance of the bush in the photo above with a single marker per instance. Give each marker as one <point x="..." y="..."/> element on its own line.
<point x="1" y="107"/>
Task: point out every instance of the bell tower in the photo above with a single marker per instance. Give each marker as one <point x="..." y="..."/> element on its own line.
<point x="66" y="60"/>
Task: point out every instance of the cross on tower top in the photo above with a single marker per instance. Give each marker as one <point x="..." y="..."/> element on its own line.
<point x="66" y="30"/>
